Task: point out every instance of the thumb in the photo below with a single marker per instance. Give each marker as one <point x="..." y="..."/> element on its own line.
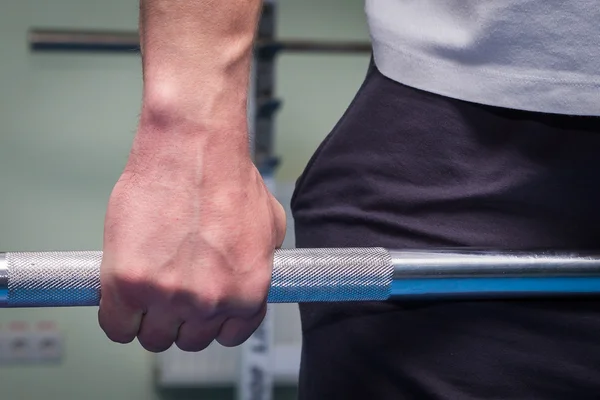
<point x="280" y="221"/>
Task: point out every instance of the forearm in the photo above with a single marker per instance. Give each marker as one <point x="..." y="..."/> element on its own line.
<point x="196" y="58"/>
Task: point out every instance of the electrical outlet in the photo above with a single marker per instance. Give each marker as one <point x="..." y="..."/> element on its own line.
<point x="17" y="343"/>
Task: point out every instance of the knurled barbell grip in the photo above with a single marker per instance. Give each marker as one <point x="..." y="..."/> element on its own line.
<point x="71" y="278"/>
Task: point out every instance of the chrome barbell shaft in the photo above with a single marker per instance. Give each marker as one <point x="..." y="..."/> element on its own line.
<point x="68" y="279"/>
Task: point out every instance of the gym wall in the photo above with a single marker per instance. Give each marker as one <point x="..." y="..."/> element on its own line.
<point x="66" y="124"/>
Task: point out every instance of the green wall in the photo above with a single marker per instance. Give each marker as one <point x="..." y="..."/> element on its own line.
<point x="315" y="89"/>
<point x="66" y="124"/>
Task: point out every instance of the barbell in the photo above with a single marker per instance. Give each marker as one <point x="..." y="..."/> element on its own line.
<point x="71" y="278"/>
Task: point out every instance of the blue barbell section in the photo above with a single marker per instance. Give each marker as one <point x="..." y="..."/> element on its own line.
<point x="71" y="278"/>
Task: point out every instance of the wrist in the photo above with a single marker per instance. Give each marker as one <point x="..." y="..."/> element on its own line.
<point x="189" y="152"/>
<point x="187" y="131"/>
<point x="198" y="107"/>
<point x="195" y="115"/>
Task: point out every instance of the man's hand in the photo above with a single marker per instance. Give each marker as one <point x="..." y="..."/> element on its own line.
<point x="190" y="227"/>
<point x="188" y="251"/>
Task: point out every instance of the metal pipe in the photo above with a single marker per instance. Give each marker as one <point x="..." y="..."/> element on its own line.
<point x="83" y="40"/>
<point x="484" y="274"/>
<point x="122" y="41"/>
<point x="68" y="279"/>
<point x="310" y="46"/>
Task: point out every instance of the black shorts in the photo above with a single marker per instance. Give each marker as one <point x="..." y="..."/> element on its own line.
<point x="405" y="168"/>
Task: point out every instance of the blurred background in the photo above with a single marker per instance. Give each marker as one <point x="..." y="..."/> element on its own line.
<point x="67" y="120"/>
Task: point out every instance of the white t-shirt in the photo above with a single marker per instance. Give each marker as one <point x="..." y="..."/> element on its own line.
<point x="537" y="55"/>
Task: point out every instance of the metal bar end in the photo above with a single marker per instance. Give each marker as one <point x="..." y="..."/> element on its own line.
<point x="3" y="280"/>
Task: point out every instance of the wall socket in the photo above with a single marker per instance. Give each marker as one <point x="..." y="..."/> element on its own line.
<point x="20" y="343"/>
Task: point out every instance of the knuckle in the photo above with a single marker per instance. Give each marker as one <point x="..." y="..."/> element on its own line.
<point x="211" y="305"/>
<point x="235" y="337"/>
<point x="154" y="343"/>
<point x="128" y="279"/>
<point x="237" y="304"/>
<point x="155" y="336"/>
<point x="127" y="288"/>
<point x="193" y="346"/>
<point x="156" y="347"/>
<point x="230" y="339"/>
<point x="249" y="301"/>
<point x="248" y="310"/>
<point x="116" y="335"/>
<point x="119" y="337"/>
<point x="205" y="303"/>
<point x="113" y="330"/>
<point x="229" y="342"/>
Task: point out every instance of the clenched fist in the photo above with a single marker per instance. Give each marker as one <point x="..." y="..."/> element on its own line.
<point x="189" y="239"/>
